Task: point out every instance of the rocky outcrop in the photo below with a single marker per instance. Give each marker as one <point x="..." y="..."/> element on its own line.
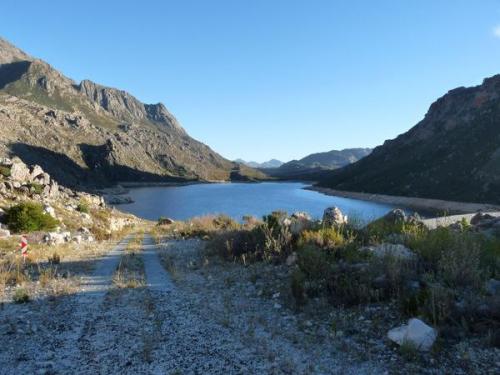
<point x="88" y="134"/>
<point x="452" y="154"/>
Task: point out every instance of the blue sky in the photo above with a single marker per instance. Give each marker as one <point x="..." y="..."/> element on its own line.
<point x="268" y="79"/>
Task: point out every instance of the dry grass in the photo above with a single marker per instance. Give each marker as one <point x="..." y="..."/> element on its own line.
<point x="130" y="271"/>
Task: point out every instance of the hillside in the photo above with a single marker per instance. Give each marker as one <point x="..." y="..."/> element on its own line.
<point x="316" y="165"/>
<point x="88" y="134"/>
<point x="452" y="154"/>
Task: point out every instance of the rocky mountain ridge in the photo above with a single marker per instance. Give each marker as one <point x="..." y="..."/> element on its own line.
<point x="452" y="154"/>
<point x="90" y="134"/>
<point x="314" y="166"/>
<point x="273" y="163"/>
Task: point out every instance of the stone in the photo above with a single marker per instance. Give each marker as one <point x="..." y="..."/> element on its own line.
<point x="165" y="221"/>
<point x="19" y="171"/>
<point x="42" y="179"/>
<point x="56" y="238"/>
<point x="4" y="233"/>
<point x="388" y="249"/>
<point x="49" y="210"/>
<point x="332" y="216"/>
<point x="5" y="162"/>
<point x="77" y="238"/>
<point x="291" y="259"/>
<point x="415" y="333"/>
<point x="480" y="218"/>
<point x="35" y="171"/>
<point x="299" y="222"/>
<point x="493" y="287"/>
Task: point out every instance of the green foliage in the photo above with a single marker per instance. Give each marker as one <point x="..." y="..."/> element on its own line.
<point x="36" y="188"/>
<point x="21" y="295"/>
<point x="379" y="229"/>
<point x="83" y="207"/>
<point x="327" y="238"/>
<point x="4" y="171"/>
<point x="28" y="217"/>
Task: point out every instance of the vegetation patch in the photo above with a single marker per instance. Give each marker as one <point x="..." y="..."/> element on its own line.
<point x="29" y="217"/>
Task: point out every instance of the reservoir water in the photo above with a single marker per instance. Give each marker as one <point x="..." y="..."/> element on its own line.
<point x="239" y="199"/>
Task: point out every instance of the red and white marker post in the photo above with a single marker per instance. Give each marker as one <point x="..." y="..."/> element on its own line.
<point x="24" y="248"/>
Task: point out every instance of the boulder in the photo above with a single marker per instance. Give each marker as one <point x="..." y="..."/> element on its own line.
<point x="56" y="238"/>
<point x="415" y="333"/>
<point x="332" y="216"/>
<point x="165" y="221"/>
<point x="299" y="222"/>
<point x="388" y="249"/>
<point x="49" y="210"/>
<point x="5" y="162"/>
<point x="397" y="215"/>
<point x="4" y="232"/>
<point x="42" y="179"/>
<point x="35" y="171"/>
<point x="19" y="171"/>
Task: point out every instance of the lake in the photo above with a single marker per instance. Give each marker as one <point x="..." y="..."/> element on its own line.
<point x="239" y="199"/>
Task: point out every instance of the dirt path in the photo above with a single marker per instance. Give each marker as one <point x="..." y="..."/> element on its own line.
<point x="180" y="322"/>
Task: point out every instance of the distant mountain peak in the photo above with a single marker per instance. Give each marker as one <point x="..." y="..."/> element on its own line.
<point x="273" y="163"/>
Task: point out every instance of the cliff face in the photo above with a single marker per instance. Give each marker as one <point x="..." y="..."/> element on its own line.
<point x="452" y="154"/>
<point x="95" y="134"/>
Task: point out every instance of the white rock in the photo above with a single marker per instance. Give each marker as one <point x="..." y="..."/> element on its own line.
<point x="5" y="162"/>
<point x="56" y="238"/>
<point x="415" y="333"/>
<point x="332" y="216"/>
<point x="19" y="171"/>
<point x="4" y="233"/>
<point x="49" y="210"/>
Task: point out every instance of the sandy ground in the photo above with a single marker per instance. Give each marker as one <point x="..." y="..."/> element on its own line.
<point x="418" y="204"/>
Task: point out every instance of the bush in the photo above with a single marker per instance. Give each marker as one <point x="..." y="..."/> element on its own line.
<point x="83" y="207"/>
<point x="326" y="238"/>
<point x="21" y="296"/>
<point x="4" y="171"/>
<point x="36" y="188"/>
<point x="55" y="258"/>
<point x="29" y="217"/>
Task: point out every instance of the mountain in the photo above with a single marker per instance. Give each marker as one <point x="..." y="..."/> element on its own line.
<point x="316" y="165"/>
<point x="452" y="154"/>
<point x="273" y="163"/>
<point x="88" y="134"/>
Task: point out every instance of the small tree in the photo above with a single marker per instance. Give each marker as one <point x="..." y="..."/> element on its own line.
<point x="29" y="217"/>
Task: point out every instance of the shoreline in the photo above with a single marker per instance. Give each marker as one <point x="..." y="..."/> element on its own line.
<point x="426" y="204"/>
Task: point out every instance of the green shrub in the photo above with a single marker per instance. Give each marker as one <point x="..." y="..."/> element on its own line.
<point x="83" y="207"/>
<point x="21" y="295"/>
<point x="28" y="217"/>
<point x="326" y="238"/>
<point x="36" y="188"/>
<point x="4" y="171"/>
